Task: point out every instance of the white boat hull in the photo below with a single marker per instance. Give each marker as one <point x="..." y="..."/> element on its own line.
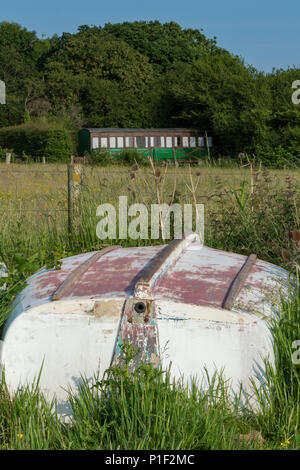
<point x="77" y="335"/>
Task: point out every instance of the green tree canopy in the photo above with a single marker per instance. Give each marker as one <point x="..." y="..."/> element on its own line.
<point x="147" y="74"/>
<point x="20" y="51"/>
<point x="97" y="71"/>
<point x="164" y="44"/>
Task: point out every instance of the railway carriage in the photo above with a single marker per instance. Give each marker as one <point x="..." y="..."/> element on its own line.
<point x="160" y="144"/>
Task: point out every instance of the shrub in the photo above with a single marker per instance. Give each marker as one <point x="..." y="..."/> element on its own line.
<point x="100" y="157"/>
<point x="131" y="156"/>
<point x="256" y="217"/>
<point x="2" y="154"/>
<point x="38" y="140"/>
<point x="279" y="157"/>
<point x="124" y="157"/>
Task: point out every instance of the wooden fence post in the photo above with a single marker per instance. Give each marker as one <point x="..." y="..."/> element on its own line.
<point x="44" y="160"/>
<point x="207" y="146"/>
<point x="75" y="174"/>
<point x="7" y="158"/>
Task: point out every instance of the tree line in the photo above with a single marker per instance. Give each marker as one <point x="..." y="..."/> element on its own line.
<point x="148" y="74"/>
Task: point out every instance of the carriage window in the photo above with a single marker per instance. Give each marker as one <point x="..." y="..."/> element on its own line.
<point x="209" y="141"/>
<point x="176" y="141"/>
<point x="120" y="142"/>
<point x="162" y="141"/>
<point x="193" y="141"/>
<point x="103" y="142"/>
<point x="129" y="141"/>
<point x="169" y="142"/>
<point x="112" y="142"/>
<point x="95" y="143"/>
<point x="200" y="141"/>
<point x="153" y="141"/>
<point x="140" y="142"/>
<point x="185" y="141"/>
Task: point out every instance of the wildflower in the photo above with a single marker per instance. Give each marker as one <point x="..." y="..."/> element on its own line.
<point x="20" y="436"/>
<point x="284" y="444"/>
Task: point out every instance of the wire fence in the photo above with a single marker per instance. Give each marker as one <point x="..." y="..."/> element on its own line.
<point x="34" y="210"/>
<point x="75" y="171"/>
<point x="181" y="171"/>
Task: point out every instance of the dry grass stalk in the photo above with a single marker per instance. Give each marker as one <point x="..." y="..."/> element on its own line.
<point x="253" y="437"/>
<point x="193" y="188"/>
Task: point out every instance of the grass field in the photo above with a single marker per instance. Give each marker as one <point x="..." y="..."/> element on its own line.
<point x="245" y="212"/>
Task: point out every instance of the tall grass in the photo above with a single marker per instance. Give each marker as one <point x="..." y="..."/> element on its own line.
<point x="280" y="401"/>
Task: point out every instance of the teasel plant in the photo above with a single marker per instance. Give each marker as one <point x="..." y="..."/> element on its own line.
<point x="157" y="193"/>
<point x="249" y="163"/>
<point x="292" y="255"/>
<point x="192" y="187"/>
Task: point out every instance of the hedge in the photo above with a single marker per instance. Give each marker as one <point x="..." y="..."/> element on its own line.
<point x="279" y="157"/>
<point x="38" y="141"/>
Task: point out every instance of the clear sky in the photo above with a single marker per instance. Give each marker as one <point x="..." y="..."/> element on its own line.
<point x="264" y="32"/>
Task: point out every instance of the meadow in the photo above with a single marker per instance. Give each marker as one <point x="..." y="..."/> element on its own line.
<point x="247" y="210"/>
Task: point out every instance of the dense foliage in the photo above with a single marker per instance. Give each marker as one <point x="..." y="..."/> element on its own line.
<point x="42" y="140"/>
<point x="148" y="74"/>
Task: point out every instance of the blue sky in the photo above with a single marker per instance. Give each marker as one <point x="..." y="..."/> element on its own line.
<point x="265" y="33"/>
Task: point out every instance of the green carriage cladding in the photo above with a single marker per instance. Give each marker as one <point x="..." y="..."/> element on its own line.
<point x="183" y="144"/>
<point x="160" y="154"/>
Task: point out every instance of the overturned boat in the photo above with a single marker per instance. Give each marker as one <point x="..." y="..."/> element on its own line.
<point x="186" y="306"/>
